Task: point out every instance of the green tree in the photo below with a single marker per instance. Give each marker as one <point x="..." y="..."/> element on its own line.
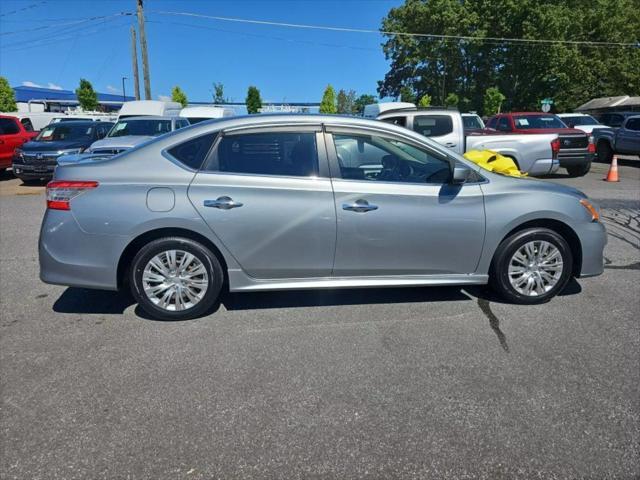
<point x="253" y="101"/>
<point x="407" y="94"/>
<point x="361" y="101"/>
<point x="177" y="95"/>
<point x="425" y="101"/>
<point x="7" y="97"/>
<point x="524" y="72"/>
<point x="342" y="102"/>
<point x="493" y="99"/>
<point x="218" y="93"/>
<point x="452" y="100"/>
<point x="328" y="102"/>
<point x="87" y="97"/>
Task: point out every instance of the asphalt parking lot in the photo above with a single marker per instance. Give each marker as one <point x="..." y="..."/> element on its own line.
<point x="400" y="383"/>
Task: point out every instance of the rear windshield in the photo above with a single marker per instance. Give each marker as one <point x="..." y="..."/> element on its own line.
<point x="525" y="122"/>
<point x="580" y="120"/>
<point x="60" y="131"/>
<point x="141" y="127"/>
<point x="433" y="125"/>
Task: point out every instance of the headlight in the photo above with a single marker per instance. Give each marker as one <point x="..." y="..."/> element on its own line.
<point x="595" y="215"/>
<point x="69" y="151"/>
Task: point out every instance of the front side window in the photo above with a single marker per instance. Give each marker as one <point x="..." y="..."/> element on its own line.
<point x="401" y="121"/>
<point x="503" y="124"/>
<point x="273" y="153"/>
<point x="8" y="126"/>
<point x="492" y="123"/>
<point x="382" y="159"/>
<point x="26" y="123"/>
<point x="181" y="124"/>
<point x="527" y="122"/>
<point x="433" y="125"/>
<point x="633" y="124"/>
<point x="193" y="152"/>
<point x="471" y="122"/>
<point x="140" y="127"/>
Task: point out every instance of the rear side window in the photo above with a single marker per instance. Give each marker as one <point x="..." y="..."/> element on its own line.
<point x="492" y="123"/>
<point x="274" y="153"/>
<point x="8" y="126"/>
<point x="433" y="125"/>
<point x="193" y="152"/>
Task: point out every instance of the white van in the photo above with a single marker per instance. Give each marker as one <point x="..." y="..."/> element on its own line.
<point x="374" y="109"/>
<point x="37" y="120"/>
<point x="138" y="108"/>
<point x="199" y="114"/>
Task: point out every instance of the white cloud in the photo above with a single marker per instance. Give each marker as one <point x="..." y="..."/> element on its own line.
<point x="53" y="86"/>
<point x="112" y="89"/>
<point x="31" y="84"/>
<point x="50" y="85"/>
<point x="164" y="98"/>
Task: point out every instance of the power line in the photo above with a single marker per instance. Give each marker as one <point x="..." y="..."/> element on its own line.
<point x="28" y="7"/>
<point x="405" y="34"/>
<point x="57" y="25"/>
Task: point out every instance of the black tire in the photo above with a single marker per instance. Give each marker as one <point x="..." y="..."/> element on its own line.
<point x="499" y="274"/>
<point x="579" y="170"/>
<point x="605" y="153"/>
<point x="202" y="253"/>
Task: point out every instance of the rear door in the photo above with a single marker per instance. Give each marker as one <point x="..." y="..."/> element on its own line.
<point x="628" y="137"/>
<point x="266" y="194"/>
<point x="445" y="129"/>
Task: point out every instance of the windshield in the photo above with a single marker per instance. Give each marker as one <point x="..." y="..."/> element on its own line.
<point x="63" y="132"/>
<point x="142" y="127"/>
<point x="472" y="121"/>
<point x="580" y="120"/>
<point x="525" y="122"/>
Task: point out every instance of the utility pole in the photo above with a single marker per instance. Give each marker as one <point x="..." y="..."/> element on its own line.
<point x="143" y="47"/>
<point x="124" y="92"/>
<point x="134" y="61"/>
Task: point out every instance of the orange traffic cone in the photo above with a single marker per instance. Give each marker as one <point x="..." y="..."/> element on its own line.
<point x="612" y="175"/>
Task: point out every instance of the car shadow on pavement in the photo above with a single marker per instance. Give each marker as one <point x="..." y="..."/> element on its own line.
<point x="84" y="300"/>
<point x="351" y="296"/>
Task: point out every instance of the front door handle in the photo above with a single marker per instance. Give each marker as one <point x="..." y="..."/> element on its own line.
<point x="450" y="144"/>
<point x="223" y="203"/>
<point x="360" y="206"/>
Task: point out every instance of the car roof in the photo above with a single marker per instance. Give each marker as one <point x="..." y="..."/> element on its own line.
<point x="576" y="114"/>
<point x="151" y="117"/>
<point x="527" y="113"/>
<point x="89" y="123"/>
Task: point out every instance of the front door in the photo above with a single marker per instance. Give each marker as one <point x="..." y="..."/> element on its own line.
<point x="267" y="196"/>
<point x="397" y="213"/>
<point x="628" y="137"/>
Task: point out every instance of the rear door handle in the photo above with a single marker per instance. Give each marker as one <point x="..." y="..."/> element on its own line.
<point x="360" y="206"/>
<point x="223" y="203"/>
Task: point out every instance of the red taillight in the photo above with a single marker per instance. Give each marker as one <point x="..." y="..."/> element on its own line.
<point x="555" y="147"/>
<point x="592" y="145"/>
<point x="60" y="193"/>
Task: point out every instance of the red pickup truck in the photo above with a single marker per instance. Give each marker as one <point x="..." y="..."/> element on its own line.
<point x="576" y="148"/>
<point x="12" y="135"/>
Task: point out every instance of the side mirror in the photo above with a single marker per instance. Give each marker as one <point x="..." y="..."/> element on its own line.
<point x="460" y="175"/>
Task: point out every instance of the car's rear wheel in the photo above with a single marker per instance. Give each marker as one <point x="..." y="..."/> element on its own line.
<point x="531" y="266"/>
<point x="579" y="170"/>
<point x="175" y="278"/>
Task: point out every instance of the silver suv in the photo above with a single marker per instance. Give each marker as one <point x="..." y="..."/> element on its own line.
<point x="274" y="202"/>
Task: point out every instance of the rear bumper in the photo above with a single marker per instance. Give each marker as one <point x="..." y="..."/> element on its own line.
<point x="593" y="238"/>
<point x="69" y="256"/>
<point x="574" y="159"/>
<point x="544" y="166"/>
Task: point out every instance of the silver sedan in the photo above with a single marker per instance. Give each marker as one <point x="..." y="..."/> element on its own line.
<point x="273" y="202"/>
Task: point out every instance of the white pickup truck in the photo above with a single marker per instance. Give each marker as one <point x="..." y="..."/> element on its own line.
<point x="535" y="154"/>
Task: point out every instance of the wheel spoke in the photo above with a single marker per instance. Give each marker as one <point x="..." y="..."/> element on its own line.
<point x="535" y="268"/>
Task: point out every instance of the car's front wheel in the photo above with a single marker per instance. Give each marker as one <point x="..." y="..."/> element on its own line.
<point x="579" y="170"/>
<point x="175" y="278"/>
<point x="531" y="266"/>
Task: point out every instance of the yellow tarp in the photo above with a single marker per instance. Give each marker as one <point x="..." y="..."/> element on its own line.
<point x="494" y="162"/>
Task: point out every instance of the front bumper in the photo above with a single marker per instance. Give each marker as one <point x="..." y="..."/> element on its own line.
<point x="37" y="170"/>
<point x="70" y="256"/>
<point x="593" y="238"/>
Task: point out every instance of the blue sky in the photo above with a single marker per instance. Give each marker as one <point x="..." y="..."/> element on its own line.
<point x="286" y="64"/>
